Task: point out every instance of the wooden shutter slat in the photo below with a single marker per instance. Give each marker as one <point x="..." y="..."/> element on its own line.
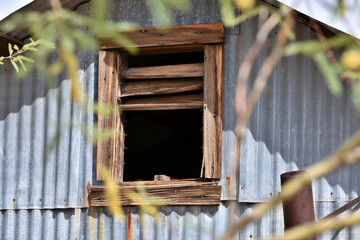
<point x="157" y="87"/>
<point x="109" y="151"/>
<point x="208" y="33"/>
<point x="190" y="101"/>
<point x="169" y="49"/>
<point x="213" y="88"/>
<point x="169" y="71"/>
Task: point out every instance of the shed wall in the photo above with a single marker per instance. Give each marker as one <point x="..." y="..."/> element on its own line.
<point x="295" y="123"/>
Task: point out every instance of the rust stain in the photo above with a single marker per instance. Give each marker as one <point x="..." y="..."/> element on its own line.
<point x="14" y="203"/>
<point x="88" y="191"/>
<point x="129" y="225"/>
<point x="228" y="180"/>
<point x="101" y="225"/>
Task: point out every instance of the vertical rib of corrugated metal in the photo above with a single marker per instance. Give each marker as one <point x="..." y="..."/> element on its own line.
<point x="296" y="123"/>
<point x="45" y="159"/>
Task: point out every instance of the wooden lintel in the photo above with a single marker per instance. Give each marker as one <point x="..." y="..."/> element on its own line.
<point x="166" y="193"/>
<point x="168" y="71"/>
<point x="194" y="34"/>
<point x="4" y="42"/>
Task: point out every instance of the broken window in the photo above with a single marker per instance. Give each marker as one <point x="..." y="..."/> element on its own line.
<point x="169" y="124"/>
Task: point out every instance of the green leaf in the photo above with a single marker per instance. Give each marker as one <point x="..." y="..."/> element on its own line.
<point x="15" y="66"/>
<point x="10" y="49"/>
<point x="22" y="64"/>
<point x="16" y="47"/>
<point x="26" y="58"/>
<point x="227" y="12"/>
<point x="330" y="73"/>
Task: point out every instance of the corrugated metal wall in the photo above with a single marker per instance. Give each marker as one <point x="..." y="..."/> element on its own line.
<point x="176" y="223"/>
<point x="296" y="123"/>
<point x="43" y="195"/>
<point x="45" y="160"/>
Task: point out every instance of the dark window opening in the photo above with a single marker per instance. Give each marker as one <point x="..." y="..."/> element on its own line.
<point x="165" y="142"/>
<point x="165" y="59"/>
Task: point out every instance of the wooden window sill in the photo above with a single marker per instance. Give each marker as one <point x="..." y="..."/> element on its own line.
<point x="173" y="192"/>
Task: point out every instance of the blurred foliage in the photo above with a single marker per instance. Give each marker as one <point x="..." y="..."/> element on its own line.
<point x="148" y="204"/>
<point x="335" y="69"/>
<point x="112" y="195"/>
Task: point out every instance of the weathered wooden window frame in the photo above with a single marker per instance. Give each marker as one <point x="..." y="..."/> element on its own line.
<point x="182" y="38"/>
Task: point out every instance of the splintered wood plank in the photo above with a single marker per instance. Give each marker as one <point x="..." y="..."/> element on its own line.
<point x="213" y="91"/>
<point x="169" y="193"/>
<point x="173" y="35"/>
<point x="169" y="71"/>
<point x="109" y="151"/>
<point x="189" y="101"/>
<point x="157" y="87"/>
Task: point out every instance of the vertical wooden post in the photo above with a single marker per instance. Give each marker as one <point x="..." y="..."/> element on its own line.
<point x="109" y="151"/>
<point x="213" y="91"/>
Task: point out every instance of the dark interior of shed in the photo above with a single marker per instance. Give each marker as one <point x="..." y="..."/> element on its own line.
<point x="165" y="142"/>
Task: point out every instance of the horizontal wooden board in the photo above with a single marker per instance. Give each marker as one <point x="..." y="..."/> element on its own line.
<point x="165" y="86"/>
<point x="190" y="101"/>
<point x="169" y="71"/>
<point x="173" y="35"/>
<point x="168" y="49"/>
<point x="164" y="193"/>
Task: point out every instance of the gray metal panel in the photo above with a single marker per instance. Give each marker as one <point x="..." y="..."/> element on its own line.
<point x="45" y="159"/>
<point x="174" y="223"/>
<point x="201" y="11"/>
<point x="296" y="123"/>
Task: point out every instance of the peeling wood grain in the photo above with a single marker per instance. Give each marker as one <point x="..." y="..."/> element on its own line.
<point x="171" y="193"/>
<point x="189" y="101"/>
<point x="157" y="87"/>
<point x="169" y="71"/>
<point x="108" y="151"/>
<point x="213" y="91"/>
<point x="208" y="33"/>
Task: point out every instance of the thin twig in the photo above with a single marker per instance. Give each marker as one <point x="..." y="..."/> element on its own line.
<point x="244" y="111"/>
